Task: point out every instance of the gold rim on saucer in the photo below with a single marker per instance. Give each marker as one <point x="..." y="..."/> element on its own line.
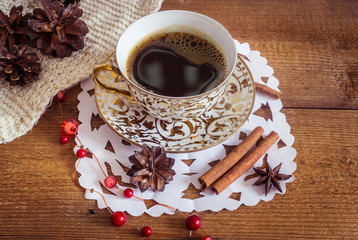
<point x="133" y="124"/>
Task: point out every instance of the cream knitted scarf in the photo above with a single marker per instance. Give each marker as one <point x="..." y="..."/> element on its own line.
<point x="21" y="107"/>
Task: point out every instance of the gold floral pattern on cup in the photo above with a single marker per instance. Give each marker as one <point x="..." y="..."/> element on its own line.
<point x="223" y="119"/>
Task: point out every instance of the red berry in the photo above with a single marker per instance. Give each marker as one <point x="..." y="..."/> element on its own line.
<point x="207" y="238"/>
<point x="81" y="153"/>
<point x="128" y="193"/>
<point x="146" y="231"/>
<point x="193" y="222"/>
<point x="110" y="182"/>
<point x="60" y="96"/>
<point x="64" y="139"/>
<point x="69" y="127"/>
<point x="118" y="218"/>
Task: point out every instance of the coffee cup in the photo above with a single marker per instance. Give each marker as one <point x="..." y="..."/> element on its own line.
<point x="176" y="64"/>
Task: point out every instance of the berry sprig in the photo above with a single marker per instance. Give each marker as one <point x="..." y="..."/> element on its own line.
<point x="69" y="128"/>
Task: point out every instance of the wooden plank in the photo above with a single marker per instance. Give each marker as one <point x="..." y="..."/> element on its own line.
<point x="39" y="200"/>
<point x="311" y="45"/>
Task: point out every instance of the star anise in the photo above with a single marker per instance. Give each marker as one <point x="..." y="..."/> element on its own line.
<point x="13" y="28"/>
<point x="151" y="168"/>
<point x="270" y="177"/>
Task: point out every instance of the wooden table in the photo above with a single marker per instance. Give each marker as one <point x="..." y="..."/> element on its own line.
<point x="313" y="48"/>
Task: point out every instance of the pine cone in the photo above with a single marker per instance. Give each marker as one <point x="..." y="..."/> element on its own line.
<point x="65" y="3"/>
<point x="19" y="68"/>
<point x="76" y="3"/>
<point x="13" y="28"/>
<point x="57" y="30"/>
<point x="152" y="168"/>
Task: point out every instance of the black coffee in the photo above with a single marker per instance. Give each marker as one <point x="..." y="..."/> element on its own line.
<point x="177" y="64"/>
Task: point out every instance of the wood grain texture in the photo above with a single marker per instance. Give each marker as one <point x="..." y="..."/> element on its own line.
<point x="311" y="45"/>
<point x="313" y="48"/>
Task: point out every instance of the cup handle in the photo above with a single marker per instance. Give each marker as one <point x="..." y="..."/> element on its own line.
<point x="107" y="67"/>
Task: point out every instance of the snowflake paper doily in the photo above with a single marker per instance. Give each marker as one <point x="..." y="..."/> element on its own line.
<point x="187" y="170"/>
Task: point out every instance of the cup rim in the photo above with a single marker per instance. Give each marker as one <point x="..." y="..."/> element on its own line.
<point x="222" y="84"/>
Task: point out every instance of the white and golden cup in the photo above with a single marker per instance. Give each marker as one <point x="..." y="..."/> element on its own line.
<point x="166" y="107"/>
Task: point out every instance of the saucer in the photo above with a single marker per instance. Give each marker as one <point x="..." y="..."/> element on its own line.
<point x="133" y="124"/>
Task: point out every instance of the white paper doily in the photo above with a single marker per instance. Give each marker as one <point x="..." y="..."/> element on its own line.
<point x="186" y="174"/>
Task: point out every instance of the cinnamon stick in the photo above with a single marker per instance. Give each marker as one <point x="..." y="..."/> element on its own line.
<point x="245" y="164"/>
<point x="231" y="159"/>
<point x="264" y="89"/>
